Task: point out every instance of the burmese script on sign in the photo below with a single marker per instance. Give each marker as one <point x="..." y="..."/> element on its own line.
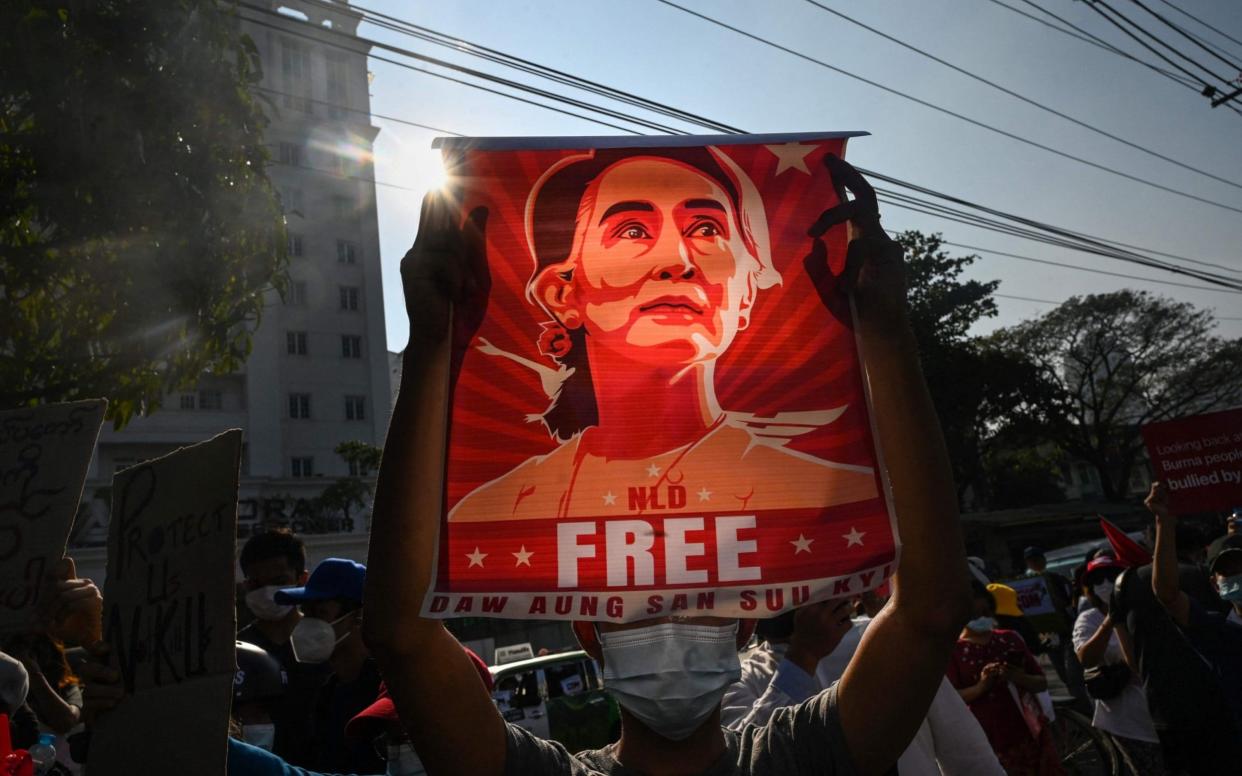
<point x="44" y="454"/>
<point x="656" y="409"/>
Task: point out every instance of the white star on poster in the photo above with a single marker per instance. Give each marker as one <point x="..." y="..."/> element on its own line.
<point x="523" y="557"/>
<point x="802" y="544"/>
<point x="653" y="471"/>
<point x="791" y="156"/>
<point x="610" y="499"/>
<point x="476" y="558"/>
<point x="705" y="494"/>
<point x="853" y="537"/>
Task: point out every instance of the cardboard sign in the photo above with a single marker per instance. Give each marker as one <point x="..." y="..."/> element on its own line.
<point x="1200" y="458"/>
<point x="654" y="410"/>
<point x="169" y="612"/>
<point x="44" y="455"/>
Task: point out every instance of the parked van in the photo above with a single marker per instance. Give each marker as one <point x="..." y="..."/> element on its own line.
<point x="558" y="697"/>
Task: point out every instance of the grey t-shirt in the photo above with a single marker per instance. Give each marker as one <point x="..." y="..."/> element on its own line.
<point x="802" y="739"/>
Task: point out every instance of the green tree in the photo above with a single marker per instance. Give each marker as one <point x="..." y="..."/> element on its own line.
<point x="970" y="384"/>
<point x="139" y="232"/>
<point x="1114" y="362"/>
<point x="346" y="493"/>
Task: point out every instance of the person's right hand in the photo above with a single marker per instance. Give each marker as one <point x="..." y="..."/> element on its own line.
<point x="818" y="629"/>
<point x="102" y="687"/>
<point x="445" y="273"/>
<point x="71" y="609"/>
<point x="875" y="272"/>
<point x="992" y="673"/>
<point x="1157" y="501"/>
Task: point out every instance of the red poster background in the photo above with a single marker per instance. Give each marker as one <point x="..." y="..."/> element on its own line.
<point x="1200" y="459"/>
<point x="795" y="355"/>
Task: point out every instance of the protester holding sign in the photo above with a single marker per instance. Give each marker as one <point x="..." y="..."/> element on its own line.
<point x="1117" y="692"/>
<point x="861" y="725"/>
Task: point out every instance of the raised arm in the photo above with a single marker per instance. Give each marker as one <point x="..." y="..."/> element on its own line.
<point x="445" y="708"/>
<point x="889" y="685"/>
<point x="1164" y="580"/>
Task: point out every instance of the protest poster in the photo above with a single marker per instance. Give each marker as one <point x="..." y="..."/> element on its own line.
<point x="1035" y="601"/>
<point x="654" y="410"/>
<point x="169" y="613"/>
<point x="1200" y="460"/>
<point x="44" y="455"/>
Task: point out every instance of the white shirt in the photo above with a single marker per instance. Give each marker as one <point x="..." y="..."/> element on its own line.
<point x="1125" y="715"/>
<point x="950" y="740"/>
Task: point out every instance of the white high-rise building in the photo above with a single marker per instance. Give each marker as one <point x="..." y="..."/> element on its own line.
<point x="319" y="373"/>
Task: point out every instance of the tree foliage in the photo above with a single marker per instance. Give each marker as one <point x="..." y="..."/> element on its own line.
<point x="967" y="381"/>
<point x="138" y="229"/>
<point x="1114" y="362"/>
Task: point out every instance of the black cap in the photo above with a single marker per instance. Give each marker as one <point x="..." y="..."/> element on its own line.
<point x="259" y="676"/>
<point x="1032" y="552"/>
<point x="1231" y="547"/>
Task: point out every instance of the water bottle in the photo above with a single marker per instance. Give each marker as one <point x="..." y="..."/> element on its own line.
<point x="44" y="754"/>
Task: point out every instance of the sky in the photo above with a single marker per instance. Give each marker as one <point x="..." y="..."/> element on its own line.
<point x="661" y="53"/>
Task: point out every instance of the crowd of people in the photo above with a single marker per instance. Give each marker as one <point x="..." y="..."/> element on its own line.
<point x="338" y="673"/>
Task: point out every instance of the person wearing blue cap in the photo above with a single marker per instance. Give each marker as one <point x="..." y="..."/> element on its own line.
<point x="330" y="632"/>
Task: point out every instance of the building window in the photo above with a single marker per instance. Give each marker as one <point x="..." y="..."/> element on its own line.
<point x="302" y="466"/>
<point x="297" y="294"/>
<point x="337" y="72"/>
<point x="295" y="244"/>
<point x="343" y="207"/>
<point x="291" y="200"/>
<point x="210" y="400"/>
<point x="291" y="154"/>
<point x="351" y="346"/>
<point x="299" y="406"/>
<point x="358" y="470"/>
<point x="295" y="67"/>
<point x="349" y="298"/>
<point x="295" y="343"/>
<point x="187" y="401"/>
<point x="355" y="408"/>
<point x="346" y="252"/>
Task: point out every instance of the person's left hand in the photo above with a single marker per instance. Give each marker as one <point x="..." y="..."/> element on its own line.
<point x="818" y="629"/>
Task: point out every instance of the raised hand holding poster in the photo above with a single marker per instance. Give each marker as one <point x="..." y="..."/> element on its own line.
<point x="656" y="409"/>
<point x="169" y="613"/>
<point x="44" y="454"/>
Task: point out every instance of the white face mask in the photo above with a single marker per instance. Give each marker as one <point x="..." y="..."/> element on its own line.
<point x="672" y="675"/>
<point x="262" y="736"/>
<point x="313" y="639"/>
<point x="262" y="603"/>
<point x="1103" y="591"/>
<point x="402" y="761"/>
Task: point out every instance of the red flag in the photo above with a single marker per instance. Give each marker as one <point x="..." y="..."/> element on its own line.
<point x="1129" y="552"/>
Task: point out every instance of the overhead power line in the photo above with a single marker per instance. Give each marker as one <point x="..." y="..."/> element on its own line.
<point x="1204" y="24"/>
<point x="1108" y="12"/>
<point x="1022" y="97"/>
<point x="949" y="112"/>
<point x="1165" y="21"/>
<point x="1064" y="237"/>
<point x="1195" y="83"/>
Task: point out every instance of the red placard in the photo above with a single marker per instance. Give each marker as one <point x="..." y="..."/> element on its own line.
<point x="658" y="413"/>
<point x="1200" y="459"/>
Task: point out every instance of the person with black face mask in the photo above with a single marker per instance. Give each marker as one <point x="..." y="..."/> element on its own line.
<point x="668" y="674"/>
